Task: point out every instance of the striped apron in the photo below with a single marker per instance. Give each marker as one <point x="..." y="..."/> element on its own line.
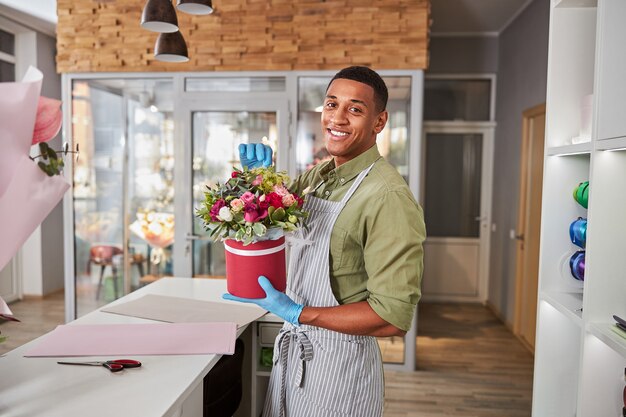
<point x="319" y="372"/>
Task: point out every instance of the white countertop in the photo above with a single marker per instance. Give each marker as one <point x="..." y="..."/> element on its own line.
<point x="41" y="387"/>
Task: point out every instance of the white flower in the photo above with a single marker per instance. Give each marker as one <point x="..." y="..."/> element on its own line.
<point x="225" y="214"/>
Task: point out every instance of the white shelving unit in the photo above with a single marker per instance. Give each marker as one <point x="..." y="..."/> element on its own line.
<point x="264" y="333"/>
<point x="580" y="356"/>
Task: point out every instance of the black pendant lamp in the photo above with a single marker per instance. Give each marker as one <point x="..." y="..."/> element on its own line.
<point x="171" y="47"/>
<point x="195" y="6"/>
<point x="159" y="16"/>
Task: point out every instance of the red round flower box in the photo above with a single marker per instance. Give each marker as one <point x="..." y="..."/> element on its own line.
<point x="244" y="264"/>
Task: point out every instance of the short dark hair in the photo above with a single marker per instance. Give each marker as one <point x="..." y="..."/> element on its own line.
<point x="366" y="76"/>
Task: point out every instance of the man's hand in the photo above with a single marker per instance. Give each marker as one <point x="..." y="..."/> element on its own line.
<point x="255" y="155"/>
<point x="275" y="302"/>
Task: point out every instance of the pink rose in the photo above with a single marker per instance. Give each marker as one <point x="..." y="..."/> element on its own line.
<point x="281" y="190"/>
<point x="237" y="205"/>
<point x="248" y="197"/>
<point x="250" y="213"/>
<point x="253" y="213"/>
<point x="289" y="200"/>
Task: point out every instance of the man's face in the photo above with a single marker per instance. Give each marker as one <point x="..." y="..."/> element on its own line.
<point x="350" y="120"/>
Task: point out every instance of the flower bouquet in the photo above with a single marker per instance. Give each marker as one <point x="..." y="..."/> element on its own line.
<point x="250" y="212"/>
<point x="156" y="229"/>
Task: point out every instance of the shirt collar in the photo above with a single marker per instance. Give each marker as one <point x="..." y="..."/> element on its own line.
<point x="353" y="167"/>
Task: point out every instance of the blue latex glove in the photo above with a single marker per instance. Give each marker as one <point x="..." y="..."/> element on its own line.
<point x="275" y="302"/>
<point x="255" y="155"/>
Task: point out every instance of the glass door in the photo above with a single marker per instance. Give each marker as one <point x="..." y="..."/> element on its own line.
<point x="457" y="211"/>
<point x="215" y="135"/>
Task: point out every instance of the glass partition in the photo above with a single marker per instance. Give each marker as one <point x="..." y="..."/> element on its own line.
<point x="457" y="100"/>
<point x="453" y="184"/>
<point x="7" y="56"/>
<point x="123" y="206"/>
<point x="392" y="142"/>
<point x="122" y="187"/>
<point x="235" y="84"/>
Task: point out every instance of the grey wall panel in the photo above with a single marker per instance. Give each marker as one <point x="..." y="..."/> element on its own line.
<point x="463" y="55"/>
<point x="522" y="74"/>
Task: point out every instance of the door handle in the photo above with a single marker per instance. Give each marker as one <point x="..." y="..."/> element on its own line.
<point x="519" y="237"/>
<point x="190" y="237"/>
<point x="480" y="218"/>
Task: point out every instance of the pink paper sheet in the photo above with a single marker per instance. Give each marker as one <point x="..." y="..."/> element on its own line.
<point x="137" y="339"/>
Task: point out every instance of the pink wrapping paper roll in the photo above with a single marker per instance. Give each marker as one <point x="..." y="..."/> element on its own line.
<point x="27" y="195"/>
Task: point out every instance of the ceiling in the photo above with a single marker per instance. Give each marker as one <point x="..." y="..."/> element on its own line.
<point x="450" y="17"/>
<point x="42" y="9"/>
<point x="474" y="17"/>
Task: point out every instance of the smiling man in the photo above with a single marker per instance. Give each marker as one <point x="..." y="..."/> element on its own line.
<point x="354" y="272"/>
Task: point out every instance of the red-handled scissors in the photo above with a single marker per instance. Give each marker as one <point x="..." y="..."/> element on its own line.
<point x="113" y="365"/>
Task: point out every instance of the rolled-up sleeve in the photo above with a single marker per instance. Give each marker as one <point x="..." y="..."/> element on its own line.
<point x="393" y="255"/>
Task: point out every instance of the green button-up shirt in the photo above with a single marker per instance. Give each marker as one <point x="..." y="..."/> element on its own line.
<point x="376" y="251"/>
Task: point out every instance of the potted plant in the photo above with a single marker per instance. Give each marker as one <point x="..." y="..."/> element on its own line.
<point x="250" y="212"/>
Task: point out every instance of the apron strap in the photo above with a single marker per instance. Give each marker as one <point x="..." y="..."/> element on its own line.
<point x="356" y="183"/>
<point x="306" y="354"/>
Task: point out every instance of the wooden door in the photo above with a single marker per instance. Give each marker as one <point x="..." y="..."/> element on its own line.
<point x="528" y="224"/>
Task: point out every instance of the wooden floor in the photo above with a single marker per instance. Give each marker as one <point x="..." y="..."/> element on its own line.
<point x="38" y="316"/>
<point x="469" y="364"/>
